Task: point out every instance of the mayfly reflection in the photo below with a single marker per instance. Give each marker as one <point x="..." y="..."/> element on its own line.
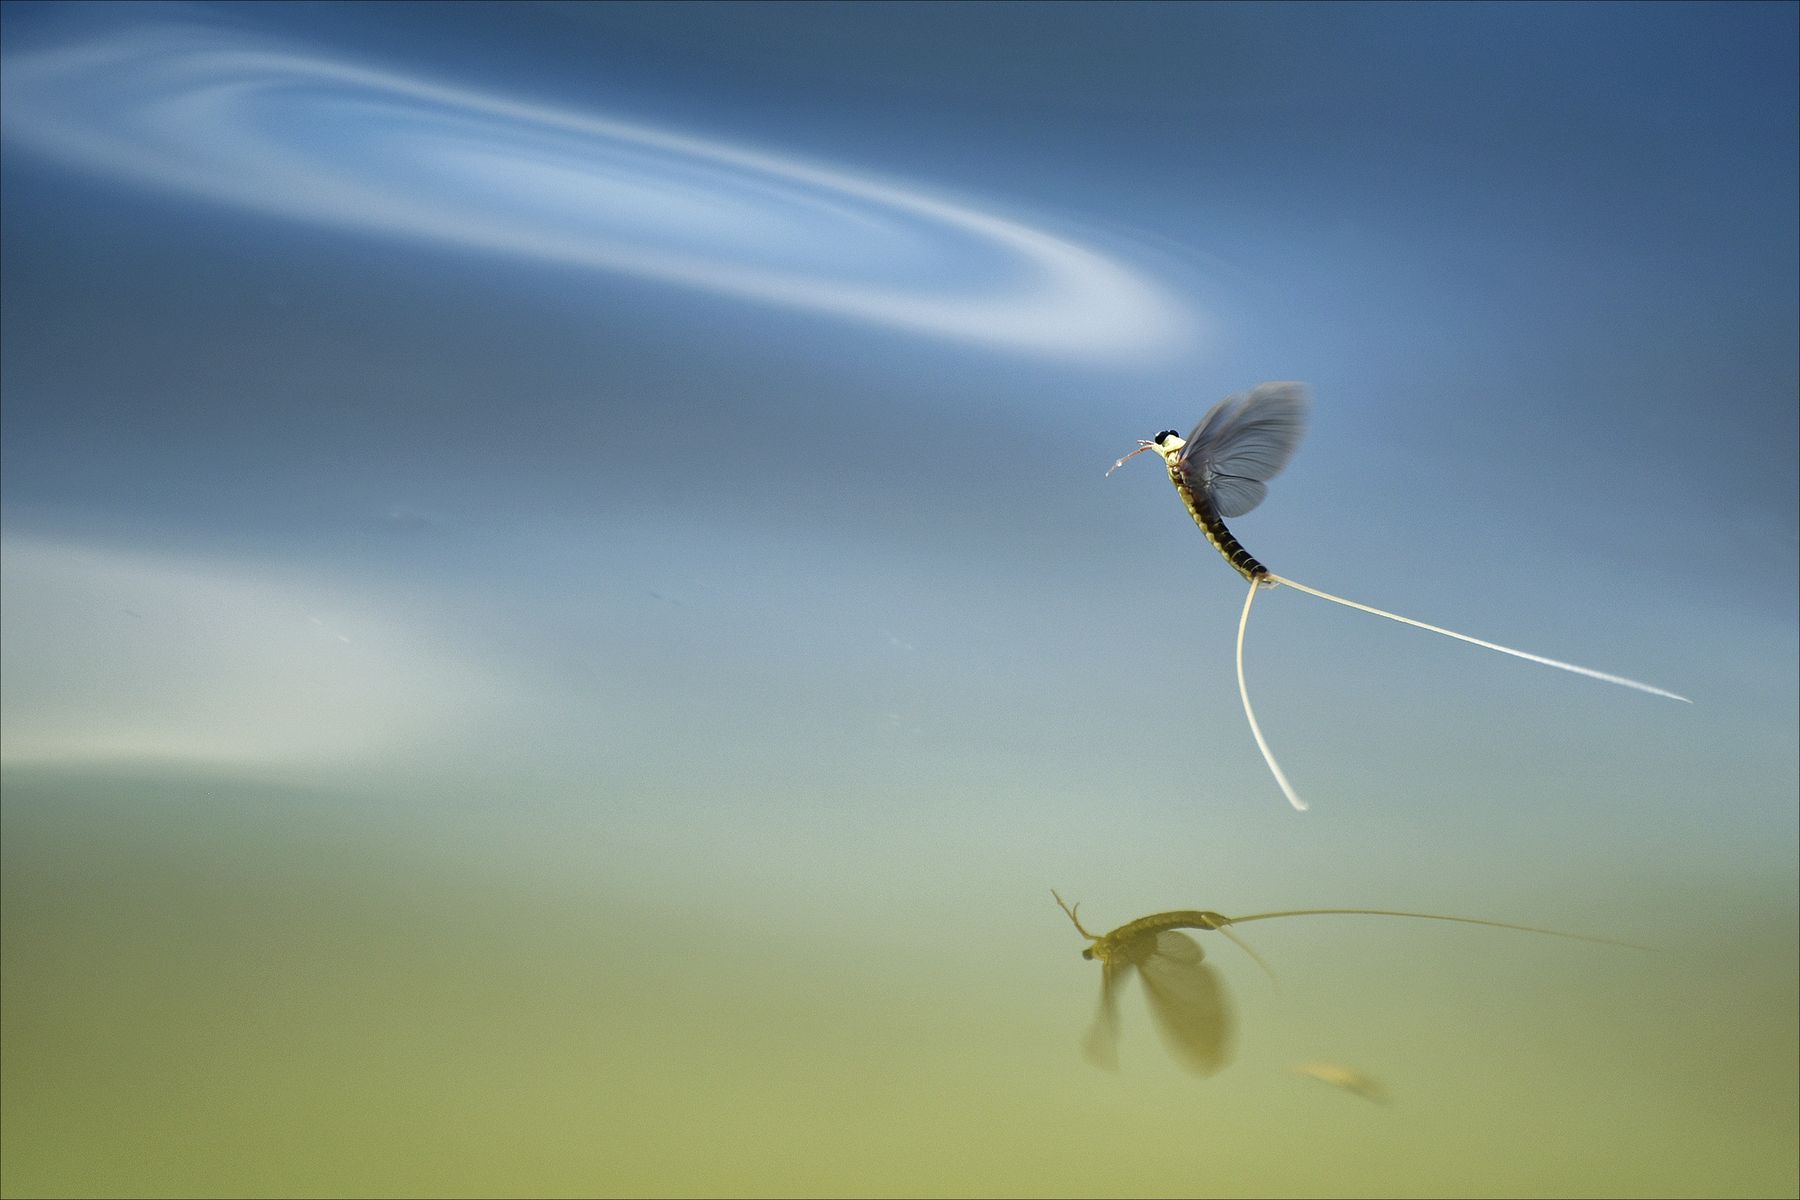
<point x="1185" y="994"/>
<point x="1222" y="469"/>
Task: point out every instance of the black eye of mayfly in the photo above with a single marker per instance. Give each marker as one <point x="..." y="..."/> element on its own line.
<point x="1164" y="436"/>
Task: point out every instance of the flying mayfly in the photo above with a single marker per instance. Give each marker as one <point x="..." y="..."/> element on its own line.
<point x="1186" y="996"/>
<point x="1221" y="469"/>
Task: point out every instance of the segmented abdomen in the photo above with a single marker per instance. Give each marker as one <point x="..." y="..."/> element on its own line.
<point x="1213" y="526"/>
<point x="1161" y="922"/>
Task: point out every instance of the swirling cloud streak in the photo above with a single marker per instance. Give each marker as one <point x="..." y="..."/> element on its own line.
<point x="253" y="123"/>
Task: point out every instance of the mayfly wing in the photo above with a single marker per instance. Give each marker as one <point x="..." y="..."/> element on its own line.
<point x="1186" y="998"/>
<point x="1243" y="442"/>
<point x="1101" y="1046"/>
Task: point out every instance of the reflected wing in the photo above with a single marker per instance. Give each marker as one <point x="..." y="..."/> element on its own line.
<point x="1101" y="1046"/>
<point x="1242" y="442"/>
<point x="1187" y="1000"/>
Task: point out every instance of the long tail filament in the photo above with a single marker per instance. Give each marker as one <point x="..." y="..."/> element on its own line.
<point x="1389" y="912"/>
<point x="1255" y="729"/>
<point x="1461" y="637"/>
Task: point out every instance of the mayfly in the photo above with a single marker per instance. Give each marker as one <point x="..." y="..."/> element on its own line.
<point x="1186" y="996"/>
<point x="1221" y="470"/>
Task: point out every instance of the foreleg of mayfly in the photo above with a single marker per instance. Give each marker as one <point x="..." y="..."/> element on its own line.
<point x="1142" y="446"/>
<point x="1262" y="744"/>
<point x="1071" y="912"/>
<point x="1475" y="641"/>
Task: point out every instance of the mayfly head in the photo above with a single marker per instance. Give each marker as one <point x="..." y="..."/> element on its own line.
<point x="1168" y="443"/>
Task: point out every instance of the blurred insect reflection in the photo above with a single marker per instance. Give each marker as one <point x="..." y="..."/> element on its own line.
<point x="1348" y="1079"/>
<point x="1222" y="468"/>
<point x="1186" y="996"/>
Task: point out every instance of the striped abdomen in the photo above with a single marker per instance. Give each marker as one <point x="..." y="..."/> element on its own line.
<point x="1159" y="922"/>
<point x="1213" y="526"/>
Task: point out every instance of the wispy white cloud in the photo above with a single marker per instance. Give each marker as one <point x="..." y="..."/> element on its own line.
<point x="114" y="655"/>
<point x="215" y="113"/>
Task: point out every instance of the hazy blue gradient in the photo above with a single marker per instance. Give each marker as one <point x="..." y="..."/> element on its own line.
<point x="562" y="616"/>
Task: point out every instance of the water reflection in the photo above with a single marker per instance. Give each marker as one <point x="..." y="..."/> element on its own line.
<point x="1186" y="997"/>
